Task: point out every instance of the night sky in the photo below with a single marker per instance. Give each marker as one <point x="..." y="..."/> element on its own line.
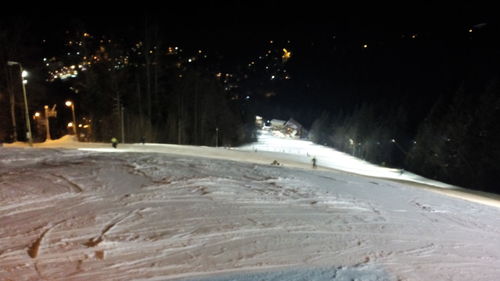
<point x="414" y="52"/>
<point x="342" y="55"/>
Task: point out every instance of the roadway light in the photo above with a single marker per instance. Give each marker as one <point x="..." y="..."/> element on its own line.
<point x="23" y="82"/>
<point x="351" y="142"/>
<point x="72" y="105"/>
<point x="49" y="112"/>
<point x="217" y="137"/>
<point x="399" y="146"/>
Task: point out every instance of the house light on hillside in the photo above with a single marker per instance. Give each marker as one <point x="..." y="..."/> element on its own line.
<point x="258" y="121"/>
<point x="286" y="55"/>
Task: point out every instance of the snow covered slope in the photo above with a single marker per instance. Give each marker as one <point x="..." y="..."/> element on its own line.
<point x="69" y="214"/>
<point x="304" y="150"/>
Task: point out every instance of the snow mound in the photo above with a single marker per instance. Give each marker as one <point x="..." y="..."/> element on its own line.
<point x="63" y="139"/>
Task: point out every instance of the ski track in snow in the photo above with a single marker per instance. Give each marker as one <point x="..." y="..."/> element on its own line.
<point x="83" y="215"/>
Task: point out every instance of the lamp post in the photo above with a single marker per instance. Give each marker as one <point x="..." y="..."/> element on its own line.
<point x="72" y="105"/>
<point x="351" y="142"/>
<point x="49" y="113"/>
<point x="217" y="137"/>
<point x="399" y="147"/>
<point x="27" y="115"/>
<point x="47" y="124"/>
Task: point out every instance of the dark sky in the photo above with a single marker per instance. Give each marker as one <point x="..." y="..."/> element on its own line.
<point x="330" y="67"/>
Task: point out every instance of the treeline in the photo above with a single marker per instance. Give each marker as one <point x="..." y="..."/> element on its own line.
<point x="376" y="132"/>
<point x="128" y="88"/>
<point x="165" y="104"/>
<point x="457" y="142"/>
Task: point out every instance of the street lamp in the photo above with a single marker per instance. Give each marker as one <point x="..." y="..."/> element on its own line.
<point x="216" y="137"/>
<point x="398" y="146"/>
<point x="72" y="105"/>
<point x="49" y="112"/>
<point x="27" y="115"/>
<point x="351" y="142"/>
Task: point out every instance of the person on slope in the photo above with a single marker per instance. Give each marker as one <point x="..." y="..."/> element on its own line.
<point x="114" y="142"/>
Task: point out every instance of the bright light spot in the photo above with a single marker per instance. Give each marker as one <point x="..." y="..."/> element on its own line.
<point x="68" y="103"/>
<point x="286" y="55"/>
<point x="24" y="74"/>
<point x="70" y="124"/>
<point x="365" y="46"/>
<point x="37" y="114"/>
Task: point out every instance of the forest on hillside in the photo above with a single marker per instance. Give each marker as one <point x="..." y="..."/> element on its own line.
<point x="124" y="87"/>
<point x="456" y="142"/>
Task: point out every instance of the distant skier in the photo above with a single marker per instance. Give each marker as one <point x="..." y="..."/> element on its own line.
<point x="314" y="162"/>
<point x="114" y="142"/>
<point x="143" y="139"/>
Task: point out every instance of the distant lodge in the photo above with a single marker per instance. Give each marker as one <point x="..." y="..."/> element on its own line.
<point x="290" y="128"/>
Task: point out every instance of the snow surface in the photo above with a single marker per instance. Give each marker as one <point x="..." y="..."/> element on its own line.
<point x="74" y="211"/>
